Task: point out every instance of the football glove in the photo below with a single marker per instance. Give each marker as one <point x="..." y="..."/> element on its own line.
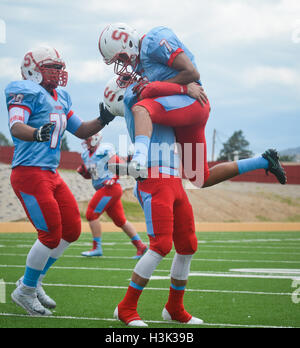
<point x="140" y="86"/>
<point x="82" y="170"/>
<point x="105" y="116"/>
<point x="43" y="133"/>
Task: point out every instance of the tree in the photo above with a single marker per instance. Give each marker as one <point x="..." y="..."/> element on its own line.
<point x="237" y="145"/>
<point x="64" y="144"/>
<point x="4" y="141"/>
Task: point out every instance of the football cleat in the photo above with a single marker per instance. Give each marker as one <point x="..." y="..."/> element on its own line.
<point x="133" y="169"/>
<point x="132" y="323"/>
<point x="44" y="299"/>
<point x="28" y="300"/>
<point x="93" y="253"/>
<point x="193" y="321"/>
<point x="140" y="252"/>
<point x="275" y="167"/>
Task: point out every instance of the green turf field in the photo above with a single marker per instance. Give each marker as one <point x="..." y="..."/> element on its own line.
<point x="237" y="280"/>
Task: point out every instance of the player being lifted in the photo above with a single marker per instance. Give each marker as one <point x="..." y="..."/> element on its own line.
<point x="161" y="56"/>
<point x="39" y="114"/>
<point x="108" y="194"/>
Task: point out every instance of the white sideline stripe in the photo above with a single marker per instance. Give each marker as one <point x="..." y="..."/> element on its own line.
<point x="192" y="274"/>
<point x="169" y="259"/>
<point x="147" y="321"/>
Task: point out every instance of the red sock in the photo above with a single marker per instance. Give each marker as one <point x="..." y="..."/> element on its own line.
<point x="175" y="306"/>
<point x="127" y="308"/>
<point x="137" y="243"/>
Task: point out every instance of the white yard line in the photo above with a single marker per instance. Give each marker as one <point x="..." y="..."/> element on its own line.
<point x="130" y="248"/>
<point x="170" y="259"/>
<point x="192" y="274"/>
<point x="164" y="289"/>
<point x="147" y="321"/>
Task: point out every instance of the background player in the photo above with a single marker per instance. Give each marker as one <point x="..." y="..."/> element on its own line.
<point x="39" y="114"/>
<point x="108" y="195"/>
<point x="161" y="56"/>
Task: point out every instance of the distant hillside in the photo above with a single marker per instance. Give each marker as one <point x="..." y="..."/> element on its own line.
<point x="290" y="152"/>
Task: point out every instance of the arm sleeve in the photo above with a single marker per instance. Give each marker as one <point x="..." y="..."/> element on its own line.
<point x="159" y="89"/>
<point x="73" y="122"/>
<point x="18" y="114"/>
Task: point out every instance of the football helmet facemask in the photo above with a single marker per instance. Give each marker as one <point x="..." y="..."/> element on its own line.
<point x="119" y="45"/>
<point x="45" y="67"/>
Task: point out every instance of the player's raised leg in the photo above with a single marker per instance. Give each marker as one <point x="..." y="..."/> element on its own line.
<point x="117" y="214"/>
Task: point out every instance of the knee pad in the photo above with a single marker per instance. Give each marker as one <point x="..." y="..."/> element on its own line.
<point x="91" y="215"/>
<point x="147" y="264"/>
<point x="181" y="266"/>
<point x="163" y="247"/>
<point x="71" y="233"/>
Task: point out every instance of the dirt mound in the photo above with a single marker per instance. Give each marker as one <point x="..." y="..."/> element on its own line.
<point x="226" y="202"/>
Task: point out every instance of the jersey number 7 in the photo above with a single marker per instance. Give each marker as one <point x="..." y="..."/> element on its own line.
<point x="60" y="122"/>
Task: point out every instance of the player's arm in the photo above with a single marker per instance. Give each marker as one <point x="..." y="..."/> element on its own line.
<point x="87" y="129"/>
<point x="187" y="73"/>
<point x="19" y="129"/>
<point x="158" y="89"/>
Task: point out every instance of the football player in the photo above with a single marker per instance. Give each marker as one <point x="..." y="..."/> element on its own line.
<point x="168" y="214"/>
<point x="108" y="195"/>
<point x="161" y="56"/>
<point x="39" y="113"/>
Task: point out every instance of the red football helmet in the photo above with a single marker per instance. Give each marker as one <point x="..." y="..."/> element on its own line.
<point x="45" y="67"/>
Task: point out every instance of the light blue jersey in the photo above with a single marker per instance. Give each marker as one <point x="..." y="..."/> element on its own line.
<point x="162" y="149"/>
<point x="40" y="108"/>
<point x="158" y="50"/>
<point x="97" y="164"/>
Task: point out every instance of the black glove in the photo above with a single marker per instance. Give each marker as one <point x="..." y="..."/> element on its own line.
<point x="105" y="116"/>
<point x="43" y="133"/>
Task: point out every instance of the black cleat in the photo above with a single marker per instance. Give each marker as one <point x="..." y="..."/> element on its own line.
<point x="133" y="169"/>
<point x="275" y="167"/>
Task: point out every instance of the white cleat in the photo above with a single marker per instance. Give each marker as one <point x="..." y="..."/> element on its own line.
<point x="27" y="299"/>
<point x="134" y="323"/>
<point x="193" y="321"/>
<point x="44" y="299"/>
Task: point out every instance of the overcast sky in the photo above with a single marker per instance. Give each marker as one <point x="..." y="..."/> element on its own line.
<point x="247" y="51"/>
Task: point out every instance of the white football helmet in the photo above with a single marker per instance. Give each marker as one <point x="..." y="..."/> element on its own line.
<point x="119" y="45"/>
<point x="114" y="97"/>
<point x="92" y="142"/>
<point x="34" y="68"/>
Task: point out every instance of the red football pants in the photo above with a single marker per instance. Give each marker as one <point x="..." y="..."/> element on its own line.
<point x="107" y="199"/>
<point x="189" y="124"/>
<point x="48" y="203"/>
<point x="169" y="215"/>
